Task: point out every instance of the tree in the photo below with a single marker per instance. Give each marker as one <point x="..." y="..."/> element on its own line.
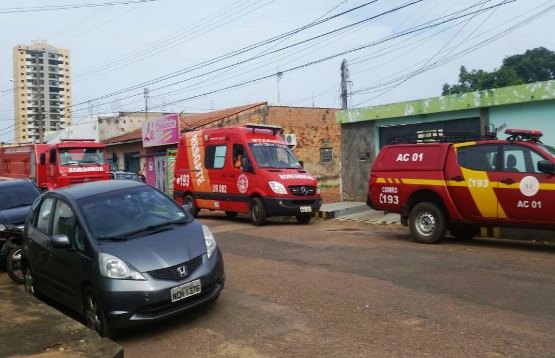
<point x="532" y="66"/>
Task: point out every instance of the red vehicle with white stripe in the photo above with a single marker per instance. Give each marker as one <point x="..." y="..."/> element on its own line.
<point x="461" y="186"/>
<point x="248" y="169"/>
<point x="52" y="166"/>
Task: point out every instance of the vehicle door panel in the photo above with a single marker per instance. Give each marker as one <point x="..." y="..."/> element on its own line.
<point x="523" y="191"/>
<point x="39" y="243"/>
<point x="468" y="175"/>
<point x="69" y="265"/>
<point x="237" y="180"/>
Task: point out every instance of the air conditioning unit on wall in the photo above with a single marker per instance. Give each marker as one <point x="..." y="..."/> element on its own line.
<point x="291" y="140"/>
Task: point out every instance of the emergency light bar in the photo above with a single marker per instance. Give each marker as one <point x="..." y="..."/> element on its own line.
<point x="274" y="128"/>
<point x="529" y="135"/>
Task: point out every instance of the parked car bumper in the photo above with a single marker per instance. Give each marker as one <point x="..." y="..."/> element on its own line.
<point x="129" y="302"/>
<point x="290" y="206"/>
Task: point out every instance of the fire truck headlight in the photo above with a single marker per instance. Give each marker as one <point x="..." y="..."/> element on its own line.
<point x="277" y="187"/>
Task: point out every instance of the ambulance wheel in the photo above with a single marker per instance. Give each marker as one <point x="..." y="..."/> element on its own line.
<point x="188" y="200"/>
<point x="258" y="212"/>
<point x="231" y="214"/>
<point x="304" y="218"/>
<point x="427" y="223"/>
<point x="463" y="232"/>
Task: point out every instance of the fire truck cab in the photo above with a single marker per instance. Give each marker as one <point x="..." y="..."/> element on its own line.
<point x="460" y="185"/>
<point x="248" y="169"/>
<point x="51" y="166"/>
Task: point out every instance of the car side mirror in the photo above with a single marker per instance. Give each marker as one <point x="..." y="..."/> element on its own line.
<point x="301" y="163"/>
<point x="61" y="242"/>
<point x="246" y="165"/>
<point x="545" y="166"/>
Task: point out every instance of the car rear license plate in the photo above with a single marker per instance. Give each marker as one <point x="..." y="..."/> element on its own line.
<point x="185" y="290"/>
<point x="306" y="209"/>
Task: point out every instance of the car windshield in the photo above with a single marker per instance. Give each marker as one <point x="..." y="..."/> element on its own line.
<point x="548" y="149"/>
<point x="17" y="196"/>
<point x="81" y="156"/>
<point x="120" y="213"/>
<point x="272" y="155"/>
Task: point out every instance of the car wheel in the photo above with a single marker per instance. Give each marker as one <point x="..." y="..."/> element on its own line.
<point x="231" y="214"/>
<point x="257" y="212"/>
<point x="29" y="281"/>
<point x="463" y="232"/>
<point x="95" y="317"/>
<point x="191" y="202"/>
<point x="13" y="265"/>
<point x="304" y="218"/>
<point x="427" y="223"/>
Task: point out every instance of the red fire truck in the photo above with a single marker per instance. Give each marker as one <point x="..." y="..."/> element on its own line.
<point x="51" y="166"/>
<point x="248" y="169"/>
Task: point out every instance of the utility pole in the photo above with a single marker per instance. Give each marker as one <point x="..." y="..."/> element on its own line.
<point x="344" y="83"/>
<point x="145" y="91"/>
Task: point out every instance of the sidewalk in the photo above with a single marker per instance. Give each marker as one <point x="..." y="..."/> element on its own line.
<point x="358" y="211"/>
<point x="32" y="328"/>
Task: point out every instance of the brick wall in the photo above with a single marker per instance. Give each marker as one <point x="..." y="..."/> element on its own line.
<point x="315" y="128"/>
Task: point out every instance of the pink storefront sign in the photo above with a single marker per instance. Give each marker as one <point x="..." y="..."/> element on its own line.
<point x="161" y="131"/>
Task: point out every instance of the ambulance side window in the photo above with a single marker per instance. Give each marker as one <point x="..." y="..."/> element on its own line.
<point x="480" y="157"/>
<point x="214" y="156"/>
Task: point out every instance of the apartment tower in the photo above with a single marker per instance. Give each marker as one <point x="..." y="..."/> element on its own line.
<point x="42" y="90"/>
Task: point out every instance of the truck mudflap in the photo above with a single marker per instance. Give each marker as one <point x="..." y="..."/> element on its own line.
<point x="291" y="207"/>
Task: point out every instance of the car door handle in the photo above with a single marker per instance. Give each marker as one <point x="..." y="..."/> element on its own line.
<point x="507" y="181"/>
<point x="232" y="176"/>
<point x="458" y="178"/>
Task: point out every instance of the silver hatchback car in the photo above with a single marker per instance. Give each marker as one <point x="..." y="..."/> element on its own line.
<point x="119" y="252"/>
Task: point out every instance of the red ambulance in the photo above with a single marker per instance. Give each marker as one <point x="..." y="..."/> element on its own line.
<point x="248" y="169"/>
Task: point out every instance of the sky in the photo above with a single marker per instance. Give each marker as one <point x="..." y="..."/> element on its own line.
<point x="209" y="55"/>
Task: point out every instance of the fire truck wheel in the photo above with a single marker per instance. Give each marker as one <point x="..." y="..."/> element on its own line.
<point x="231" y="214"/>
<point x="304" y="218"/>
<point x="463" y="232"/>
<point x="427" y="223"/>
<point x="258" y="212"/>
<point x="191" y="202"/>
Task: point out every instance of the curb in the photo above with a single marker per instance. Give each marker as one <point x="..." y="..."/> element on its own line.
<point x="334" y="213"/>
<point x="35" y="328"/>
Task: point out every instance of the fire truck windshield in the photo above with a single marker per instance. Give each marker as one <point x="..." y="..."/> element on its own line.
<point x="276" y="156"/>
<point x="81" y="156"/>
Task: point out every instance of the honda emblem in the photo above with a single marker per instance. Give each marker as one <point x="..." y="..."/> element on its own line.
<point x="182" y="271"/>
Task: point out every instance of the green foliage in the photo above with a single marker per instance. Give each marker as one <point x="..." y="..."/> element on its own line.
<point x="533" y="66"/>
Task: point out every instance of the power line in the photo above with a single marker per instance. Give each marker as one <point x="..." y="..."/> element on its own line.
<point x="388" y="85"/>
<point x="232" y="54"/>
<point x="208" y="24"/>
<point x="11" y="10"/>
<point x="408" y="31"/>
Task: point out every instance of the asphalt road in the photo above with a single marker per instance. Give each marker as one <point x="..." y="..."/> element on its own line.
<point x="351" y="289"/>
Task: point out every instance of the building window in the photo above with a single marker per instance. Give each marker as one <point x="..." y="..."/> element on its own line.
<point x="326" y="155"/>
